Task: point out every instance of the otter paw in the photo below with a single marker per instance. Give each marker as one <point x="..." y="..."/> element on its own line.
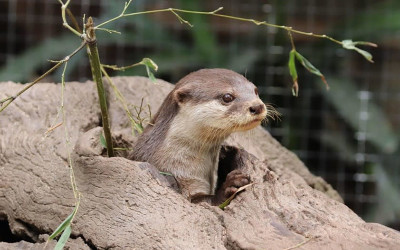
<point x="234" y="180"/>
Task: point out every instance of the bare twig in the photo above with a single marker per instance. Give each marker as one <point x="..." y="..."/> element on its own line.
<point x="300" y="244"/>
<point x="67" y="141"/>
<point x="115" y="67"/>
<point x="291" y="40"/>
<point x="136" y="122"/>
<point x="74" y="21"/>
<point x="214" y="13"/>
<point x="64" y="6"/>
<point x="53" y="127"/>
<point x="109" y="31"/>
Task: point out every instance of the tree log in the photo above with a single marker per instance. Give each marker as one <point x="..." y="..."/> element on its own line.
<point x="129" y="205"/>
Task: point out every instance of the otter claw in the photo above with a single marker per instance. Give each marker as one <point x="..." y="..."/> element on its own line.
<point x="230" y="191"/>
<point x="235" y="180"/>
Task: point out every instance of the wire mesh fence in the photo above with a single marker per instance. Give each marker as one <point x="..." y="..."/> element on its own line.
<point x="348" y="135"/>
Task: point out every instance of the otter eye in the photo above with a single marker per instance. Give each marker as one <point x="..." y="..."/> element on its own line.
<point x="228" y="98"/>
<point x="256" y="91"/>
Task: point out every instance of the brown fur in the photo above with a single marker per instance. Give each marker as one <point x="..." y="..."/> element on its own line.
<point x="187" y="131"/>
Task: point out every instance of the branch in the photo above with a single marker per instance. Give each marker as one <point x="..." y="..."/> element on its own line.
<point x="74" y="21"/>
<point x="64" y="6"/>
<point x="346" y="44"/>
<point x="214" y="13"/>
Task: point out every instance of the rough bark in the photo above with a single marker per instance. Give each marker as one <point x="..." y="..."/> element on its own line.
<point x="129" y="204"/>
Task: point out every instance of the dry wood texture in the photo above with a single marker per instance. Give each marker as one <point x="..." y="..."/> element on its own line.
<point x="128" y="205"/>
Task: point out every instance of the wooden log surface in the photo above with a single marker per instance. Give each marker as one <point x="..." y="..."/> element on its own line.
<point x="129" y="205"/>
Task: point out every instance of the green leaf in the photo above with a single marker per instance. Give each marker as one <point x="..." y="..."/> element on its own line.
<point x="293" y="72"/>
<point x="103" y="141"/>
<point x="350" y="45"/>
<point x="365" y="54"/>
<point x="138" y="127"/>
<point x="150" y="74"/>
<point x="165" y="173"/>
<point x="292" y="65"/>
<point x="63" y="225"/>
<point x="149" y="63"/>
<point x="63" y="239"/>
<point x="306" y="64"/>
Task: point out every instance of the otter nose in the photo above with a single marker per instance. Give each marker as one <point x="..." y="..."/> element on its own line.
<point x="256" y="109"/>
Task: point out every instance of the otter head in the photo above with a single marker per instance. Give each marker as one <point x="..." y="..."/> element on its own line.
<point x="219" y="101"/>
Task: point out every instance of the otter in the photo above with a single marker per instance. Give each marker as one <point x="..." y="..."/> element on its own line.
<point x="184" y="137"/>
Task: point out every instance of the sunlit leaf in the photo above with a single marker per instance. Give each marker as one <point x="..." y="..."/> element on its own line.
<point x="63" y="238"/>
<point x="149" y="63"/>
<point x="150" y="74"/>
<point x="293" y="72"/>
<point x="365" y="54"/>
<point x="306" y="64"/>
<point x="349" y="44"/>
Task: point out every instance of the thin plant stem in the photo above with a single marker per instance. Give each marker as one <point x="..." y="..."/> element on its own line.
<point x="300" y="244"/>
<point x="118" y="94"/>
<point x="73" y="20"/>
<point x="214" y="13"/>
<point x="77" y="194"/>
<point x="64" y="6"/>
<point x="95" y="65"/>
<point x="115" y="67"/>
<point x="67" y="141"/>
<point x="137" y="125"/>
<point x="117" y="17"/>
<point x="291" y="40"/>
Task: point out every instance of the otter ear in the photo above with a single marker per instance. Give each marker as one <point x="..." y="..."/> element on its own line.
<point x="181" y="95"/>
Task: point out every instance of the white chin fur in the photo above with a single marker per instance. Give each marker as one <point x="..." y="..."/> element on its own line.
<point x="209" y="114"/>
<point x="213" y="115"/>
